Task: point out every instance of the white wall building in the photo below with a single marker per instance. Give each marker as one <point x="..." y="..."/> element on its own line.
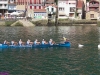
<point x="3" y="7"/>
<point x="66" y="8"/>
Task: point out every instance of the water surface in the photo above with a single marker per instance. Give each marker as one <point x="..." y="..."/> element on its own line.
<point x="52" y="61"/>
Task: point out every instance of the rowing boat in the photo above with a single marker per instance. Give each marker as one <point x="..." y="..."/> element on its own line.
<point x="36" y="46"/>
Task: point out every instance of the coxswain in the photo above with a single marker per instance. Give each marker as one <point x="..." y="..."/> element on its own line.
<point x="64" y="38"/>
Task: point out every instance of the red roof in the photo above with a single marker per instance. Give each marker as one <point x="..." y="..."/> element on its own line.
<point x="79" y="4"/>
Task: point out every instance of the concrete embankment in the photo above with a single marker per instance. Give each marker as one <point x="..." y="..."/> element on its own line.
<point x="66" y="22"/>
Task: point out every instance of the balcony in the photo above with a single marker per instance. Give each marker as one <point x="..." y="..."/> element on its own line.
<point x="11" y="2"/>
<point x="3" y="7"/>
<point x="94" y="10"/>
<point x="12" y="8"/>
<point x="93" y="5"/>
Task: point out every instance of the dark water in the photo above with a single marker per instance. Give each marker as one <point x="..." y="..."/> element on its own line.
<point x="52" y="61"/>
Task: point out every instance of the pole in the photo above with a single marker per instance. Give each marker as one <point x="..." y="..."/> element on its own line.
<point x="56" y="18"/>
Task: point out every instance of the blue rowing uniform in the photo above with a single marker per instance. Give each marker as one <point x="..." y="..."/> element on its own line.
<point x="43" y="42"/>
<point x="28" y="42"/>
<point x="35" y="42"/>
<point x="20" y="43"/>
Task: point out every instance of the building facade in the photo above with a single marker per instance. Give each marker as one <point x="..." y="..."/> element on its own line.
<point x="93" y="9"/>
<point x="11" y="6"/>
<point x="50" y="7"/>
<point x="36" y="9"/>
<point x="66" y="8"/>
<point x="3" y="7"/>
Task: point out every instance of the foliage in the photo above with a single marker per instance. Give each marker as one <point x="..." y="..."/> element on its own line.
<point x="98" y="23"/>
<point x="8" y="23"/>
<point x="88" y="0"/>
<point x="18" y="24"/>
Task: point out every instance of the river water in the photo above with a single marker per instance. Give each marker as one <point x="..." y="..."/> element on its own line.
<point x="52" y="61"/>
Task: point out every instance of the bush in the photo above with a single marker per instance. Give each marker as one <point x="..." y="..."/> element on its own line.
<point x="98" y="23"/>
<point x="18" y="24"/>
<point x="8" y="23"/>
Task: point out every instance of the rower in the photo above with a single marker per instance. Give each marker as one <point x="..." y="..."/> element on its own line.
<point x="12" y="42"/>
<point x="29" y="42"/>
<point x="51" y="42"/>
<point x="6" y="42"/>
<point x="44" y="42"/>
<point x="20" y="42"/>
<point x="36" y="42"/>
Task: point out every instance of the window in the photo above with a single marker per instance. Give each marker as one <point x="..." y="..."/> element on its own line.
<point x="91" y="15"/>
<point x="52" y="9"/>
<point x="61" y="9"/>
<point x="39" y="7"/>
<point x="72" y="9"/>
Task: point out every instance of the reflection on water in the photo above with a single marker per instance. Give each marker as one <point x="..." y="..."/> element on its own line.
<point x="52" y="61"/>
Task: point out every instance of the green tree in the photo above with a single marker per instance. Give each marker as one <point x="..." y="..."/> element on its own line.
<point x="88" y="0"/>
<point x="56" y="1"/>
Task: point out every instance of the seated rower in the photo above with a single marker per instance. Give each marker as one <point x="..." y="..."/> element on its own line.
<point x="21" y="42"/>
<point x="6" y="42"/>
<point x="29" y="42"/>
<point x="36" y="42"/>
<point x="51" y="42"/>
<point x="13" y="43"/>
<point x="44" y="42"/>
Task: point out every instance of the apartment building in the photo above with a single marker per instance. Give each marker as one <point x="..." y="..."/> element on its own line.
<point x="36" y="9"/>
<point x="3" y="7"/>
<point x="62" y="9"/>
<point x="11" y="6"/>
<point x="93" y="9"/>
<point x="50" y="7"/>
<point x="66" y="8"/>
<point x="21" y="6"/>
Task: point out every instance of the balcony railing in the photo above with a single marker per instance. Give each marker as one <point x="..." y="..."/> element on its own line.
<point x="93" y="9"/>
<point x="93" y="5"/>
<point x="3" y="7"/>
<point x="12" y="8"/>
<point x="12" y="2"/>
